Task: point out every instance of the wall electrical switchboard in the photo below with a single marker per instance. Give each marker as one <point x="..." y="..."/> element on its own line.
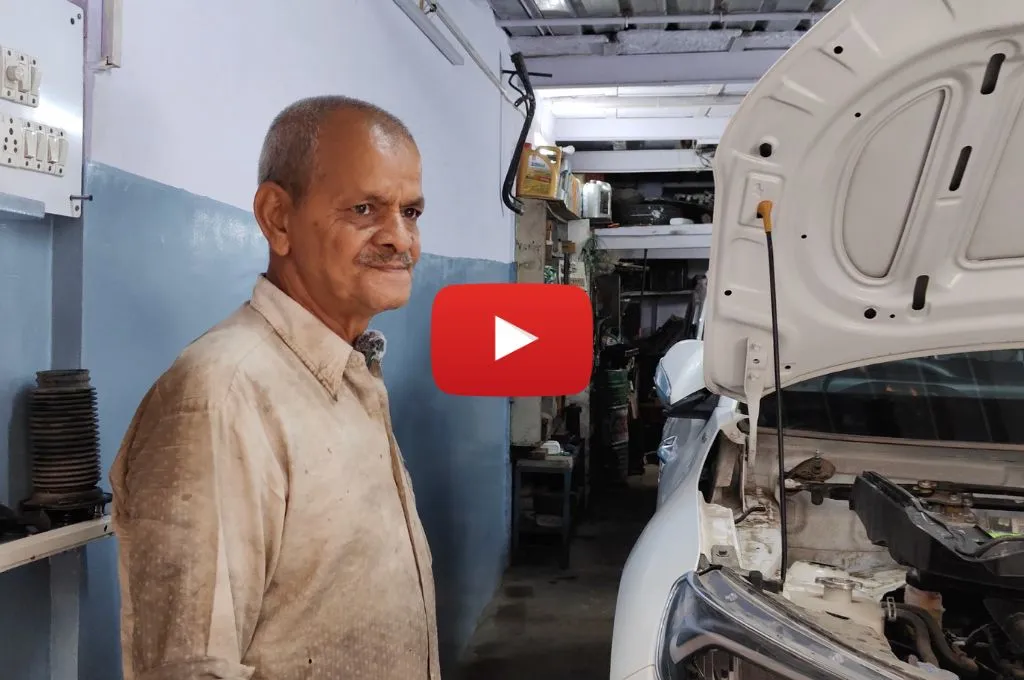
<point x="41" y="104"/>
<point x="21" y="77"/>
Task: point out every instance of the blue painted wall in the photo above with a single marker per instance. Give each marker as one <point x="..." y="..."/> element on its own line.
<point x="25" y="299"/>
<point x="456" y="449"/>
<point x="161" y="265"/>
<point x="150" y="267"/>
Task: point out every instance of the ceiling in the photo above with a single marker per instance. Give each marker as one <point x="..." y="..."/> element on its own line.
<point x="632" y="27"/>
<point x="648" y="75"/>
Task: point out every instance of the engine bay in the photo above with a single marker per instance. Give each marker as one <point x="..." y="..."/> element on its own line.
<point x="930" y="571"/>
<point x="962" y="608"/>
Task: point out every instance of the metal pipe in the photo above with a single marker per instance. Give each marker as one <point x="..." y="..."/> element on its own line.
<point x="461" y="38"/>
<point x="685" y="19"/>
<point x="435" y="36"/>
<point x="532" y="12"/>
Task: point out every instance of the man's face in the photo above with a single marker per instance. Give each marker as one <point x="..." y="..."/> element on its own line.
<point x="353" y="236"/>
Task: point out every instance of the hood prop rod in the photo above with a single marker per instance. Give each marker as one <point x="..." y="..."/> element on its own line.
<point x="528" y="101"/>
<point x="764" y="212"/>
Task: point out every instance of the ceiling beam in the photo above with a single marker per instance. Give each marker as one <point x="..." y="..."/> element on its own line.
<point x="640" y="160"/>
<point x="682" y="19"/>
<point x="558" y="45"/>
<point x="653" y="69"/>
<point x="652" y="42"/>
<point x="645" y="102"/>
<point x="704" y="130"/>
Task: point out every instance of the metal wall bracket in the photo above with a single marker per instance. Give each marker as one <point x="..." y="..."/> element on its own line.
<point x="110" y="38"/>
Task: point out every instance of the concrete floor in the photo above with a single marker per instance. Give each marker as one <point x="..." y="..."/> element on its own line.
<point x="548" y="623"/>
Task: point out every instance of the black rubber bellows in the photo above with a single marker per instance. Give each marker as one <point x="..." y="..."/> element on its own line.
<point x="65" y="439"/>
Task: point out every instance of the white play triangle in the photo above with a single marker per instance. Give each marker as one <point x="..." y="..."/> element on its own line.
<point x="509" y="338"/>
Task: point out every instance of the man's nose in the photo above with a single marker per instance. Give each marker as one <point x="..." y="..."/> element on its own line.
<point x="396" y="232"/>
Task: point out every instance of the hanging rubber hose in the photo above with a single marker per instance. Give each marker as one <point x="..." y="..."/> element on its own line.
<point x="529" y="103"/>
<point x="922" y="638"/>
<point x="1008" y="616"/>
<point x="948" y="658"/>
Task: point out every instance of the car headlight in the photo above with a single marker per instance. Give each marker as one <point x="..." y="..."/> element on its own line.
<point x="667" y="449"/>
<point x="718" y="613"/>
<point x="662" y="386"/>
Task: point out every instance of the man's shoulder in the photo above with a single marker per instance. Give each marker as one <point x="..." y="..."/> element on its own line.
<point x="206" y="370"/>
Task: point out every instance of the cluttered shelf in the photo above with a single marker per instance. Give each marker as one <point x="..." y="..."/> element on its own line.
<point x="655" y="293"/>
<point x="683" y="241"/>
<point x="67" y="508"/>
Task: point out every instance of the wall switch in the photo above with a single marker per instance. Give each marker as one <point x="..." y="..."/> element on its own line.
<point x="41" y="120"/>
<point x="20" y="77"/>
<point x="32" y="146"/>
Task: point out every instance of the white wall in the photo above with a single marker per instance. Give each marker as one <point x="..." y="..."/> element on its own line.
<point x="542" y="132"/>
<point x="195" y="118"/>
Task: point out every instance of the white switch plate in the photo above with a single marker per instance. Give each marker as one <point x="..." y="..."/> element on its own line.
<point x="20" y="77"/>
<point x="50" y="32"/>
<point x="34" y="147"/>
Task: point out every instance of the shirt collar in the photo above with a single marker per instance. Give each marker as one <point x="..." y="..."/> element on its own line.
<point x="319" y="348"/>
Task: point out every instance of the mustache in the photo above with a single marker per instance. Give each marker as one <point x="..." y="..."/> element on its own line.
<point x="384" y="259"/>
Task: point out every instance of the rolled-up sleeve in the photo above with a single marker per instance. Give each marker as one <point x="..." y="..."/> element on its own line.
<point x="199" y="507"/>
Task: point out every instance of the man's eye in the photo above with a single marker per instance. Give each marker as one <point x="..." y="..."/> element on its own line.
<point x="361" y="209"/>
<point x="412" y="213"/>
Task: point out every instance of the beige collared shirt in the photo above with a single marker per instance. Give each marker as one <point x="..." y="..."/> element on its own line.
<point x="266" y="521"/>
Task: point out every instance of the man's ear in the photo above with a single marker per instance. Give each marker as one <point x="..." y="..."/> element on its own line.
<point x="272" y="207"/>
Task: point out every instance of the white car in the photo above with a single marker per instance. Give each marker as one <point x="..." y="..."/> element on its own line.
<point x="888" y="144"/>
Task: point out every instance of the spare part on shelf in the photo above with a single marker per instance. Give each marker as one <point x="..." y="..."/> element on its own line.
<point x="65" y="446"/>
<point x="659" y="211"/>
<point x="597" y="200"/>
<point x="13" y="525"/>
<point x="542" y="173"/>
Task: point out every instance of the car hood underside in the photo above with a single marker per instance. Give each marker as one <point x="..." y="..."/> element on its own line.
<point x="889" y="143"/>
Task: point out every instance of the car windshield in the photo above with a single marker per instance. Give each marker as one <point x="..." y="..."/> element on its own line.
<point x="971" y="397"/>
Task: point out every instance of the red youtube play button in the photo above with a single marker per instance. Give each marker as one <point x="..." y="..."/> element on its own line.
<point x="511" y="340"/>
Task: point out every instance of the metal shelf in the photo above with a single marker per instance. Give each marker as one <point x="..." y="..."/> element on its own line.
<point x="18" y="208"/>
<point x="62" y="548"/>
<point x="22" y="551"/>
<point x="655" y="293"/>
<point x="662" y="242"/>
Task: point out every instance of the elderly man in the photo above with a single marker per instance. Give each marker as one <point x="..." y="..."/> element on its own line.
<point x="266" y="520"/>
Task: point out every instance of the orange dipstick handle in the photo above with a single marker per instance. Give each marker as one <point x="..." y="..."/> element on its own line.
<point x="764" y="211"/>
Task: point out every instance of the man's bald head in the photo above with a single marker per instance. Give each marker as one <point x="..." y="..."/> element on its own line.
<point x="288" y="157"/>
<point x="339" y="200"/>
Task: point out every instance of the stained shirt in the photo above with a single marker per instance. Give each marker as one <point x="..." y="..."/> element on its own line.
<point x="266" y="521"/>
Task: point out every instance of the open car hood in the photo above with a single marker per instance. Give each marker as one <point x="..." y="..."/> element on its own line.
<point x="890" y="140"/>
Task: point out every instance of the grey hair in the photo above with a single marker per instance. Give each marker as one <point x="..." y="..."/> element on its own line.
<point x="288" y="156"/>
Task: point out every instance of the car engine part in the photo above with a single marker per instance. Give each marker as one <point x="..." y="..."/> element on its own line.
<point x="65" y="442"/>
<point x="939" y="550"/>
<point x="963" y="606"/>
